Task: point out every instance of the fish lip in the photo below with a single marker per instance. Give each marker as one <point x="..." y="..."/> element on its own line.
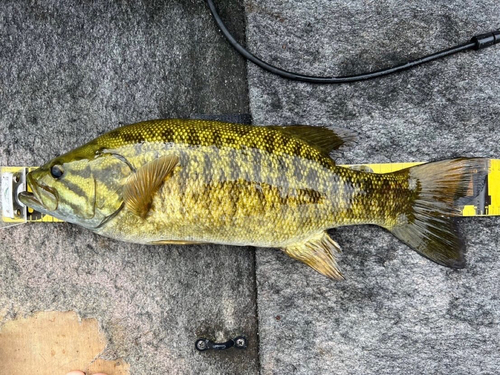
<point x="29" y="199"/>
<point x="34" y="198"/>
<point x="43" y="190"/>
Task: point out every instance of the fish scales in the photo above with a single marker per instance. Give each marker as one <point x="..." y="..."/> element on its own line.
<point x="241" y="185"/>
<point x="196" y="181"/>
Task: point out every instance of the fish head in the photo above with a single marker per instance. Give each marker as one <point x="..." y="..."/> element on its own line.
<point x="81" y="187"/>
<point x="63" y="189"/>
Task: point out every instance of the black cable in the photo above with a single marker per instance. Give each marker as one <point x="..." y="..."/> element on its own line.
<point x="477" y="42"/>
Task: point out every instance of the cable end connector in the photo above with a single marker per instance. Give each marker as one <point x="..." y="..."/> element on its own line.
<point x="486" y="40"/>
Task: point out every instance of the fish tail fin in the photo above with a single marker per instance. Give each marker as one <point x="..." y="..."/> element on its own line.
<point x="429" y="227"/>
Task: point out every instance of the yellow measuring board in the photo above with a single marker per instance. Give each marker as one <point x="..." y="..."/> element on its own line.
<point x="483" y="197"/>
<point x="12" y="212"/>
<point x="494" y="187"/>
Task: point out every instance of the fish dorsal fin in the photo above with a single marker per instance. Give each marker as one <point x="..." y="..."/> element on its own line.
<point x="141" y="186"/>
<point x="318" y="252"/>
<point x="323" y="139"/>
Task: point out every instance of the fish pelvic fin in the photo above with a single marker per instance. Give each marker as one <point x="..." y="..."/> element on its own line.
<point x="141" y="186"/>
<point x="318" y="252"/>
<point x="429" y="227"/>
<point x="321" y="138"/>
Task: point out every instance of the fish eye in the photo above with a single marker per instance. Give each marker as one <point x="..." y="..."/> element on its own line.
<point x="56" y="171"/>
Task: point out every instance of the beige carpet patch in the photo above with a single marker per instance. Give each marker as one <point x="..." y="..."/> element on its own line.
<point x="53" y="343"/>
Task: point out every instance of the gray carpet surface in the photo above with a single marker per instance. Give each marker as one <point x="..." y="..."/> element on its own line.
<point x="396" y="312"/>
<point x="71" y="71"/>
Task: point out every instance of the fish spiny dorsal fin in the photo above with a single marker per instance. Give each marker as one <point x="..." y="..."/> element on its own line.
<point x="318" y="252"/>
<point x="323" y="139"/>
<point x="141" y="186"/>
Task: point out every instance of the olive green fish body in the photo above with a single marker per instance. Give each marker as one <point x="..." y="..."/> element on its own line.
<point x="235" y="184"/>
<point x="242" y="185"/>
<point x="194" y="181"/>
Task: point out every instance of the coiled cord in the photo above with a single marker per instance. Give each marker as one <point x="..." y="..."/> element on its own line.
<point x="476" y="43"/>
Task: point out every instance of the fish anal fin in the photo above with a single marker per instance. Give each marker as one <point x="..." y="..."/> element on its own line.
<point x="318" y="252"/>
<point x="175" y="242"/>
<point x="141" y="186"/>
<point x="322" y="138"/>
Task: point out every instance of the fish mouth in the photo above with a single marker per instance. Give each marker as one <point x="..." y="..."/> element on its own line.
<point x="40" y="198"/>
<point x="29" y="199"/>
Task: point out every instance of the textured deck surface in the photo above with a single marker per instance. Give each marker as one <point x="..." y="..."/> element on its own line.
<point x="71" y="71"/>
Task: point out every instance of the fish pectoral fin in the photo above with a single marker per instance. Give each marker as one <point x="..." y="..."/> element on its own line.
<point x="318" y="252"/>
<point x="174" y="242"/>
<point x="323" y="139"/>
<point x="141" y="186"/>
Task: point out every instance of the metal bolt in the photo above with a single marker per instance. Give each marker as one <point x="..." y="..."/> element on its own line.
<point x="15" y="178"/>
<point x="201" y="345"/>
<point x="240" y="342"/>
<point x="18" y="212"/>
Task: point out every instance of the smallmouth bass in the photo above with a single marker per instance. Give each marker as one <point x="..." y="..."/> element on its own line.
<point x="194" y="181"/>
